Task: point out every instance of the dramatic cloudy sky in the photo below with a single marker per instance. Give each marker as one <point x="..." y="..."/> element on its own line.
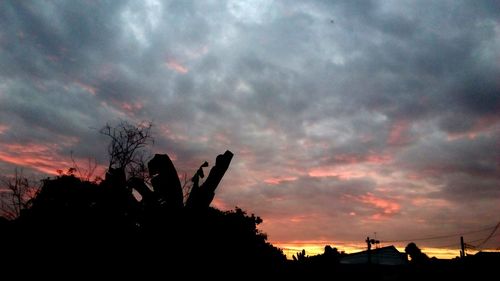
<point x="346" y="117"/>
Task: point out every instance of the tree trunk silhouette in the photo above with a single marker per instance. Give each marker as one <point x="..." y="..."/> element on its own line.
<point x="165" y="181"/>
<point x="202" y="196"/>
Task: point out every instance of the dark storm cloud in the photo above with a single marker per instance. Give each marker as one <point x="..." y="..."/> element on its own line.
<point x="475" y="157"/>
<point x="399" y="72"/>
<point x="388" y="106"/>
<point x="45" y="39"/>
<point x="467" y="168"/>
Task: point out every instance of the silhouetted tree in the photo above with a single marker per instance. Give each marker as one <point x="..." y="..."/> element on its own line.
<point x="300" y="256"/>
<point x="16" y="192"/>
<point x="87" y="172"/>
<point x="74" y="219"/>
<point x="416" y="255"/>
<point x="331" y="254"/>
<point x="201" y="197"/>
<point x="193" y="188"/>
<point x="126" y="148"/>
<point x="165" y="181"/>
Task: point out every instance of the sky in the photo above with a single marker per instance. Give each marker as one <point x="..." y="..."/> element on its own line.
<point x="347" y="119"/>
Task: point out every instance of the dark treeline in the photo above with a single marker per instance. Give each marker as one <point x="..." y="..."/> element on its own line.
<point x="102" y="226"/>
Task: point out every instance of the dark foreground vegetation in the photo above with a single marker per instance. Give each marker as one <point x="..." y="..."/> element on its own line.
<point x="90" y="229"/>
<point x="86" y="226"/>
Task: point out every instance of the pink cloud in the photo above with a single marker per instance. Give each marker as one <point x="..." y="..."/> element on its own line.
<point x="88" y="88"/>
<point x="399" y="133"/>
<point x="371" y="158"/>
<point x="220" y="204"/>
<point x="3" y="128"/>
<point x="131" y="107"/>
<point x="385" y="207"/>
<point x="123" y="108"/>
<point x="347" y="158"/>
<point x="344" y="172"/>
<point x="176" y="66"/>
<point x="278" y="180"/>
<point x="222" y="139"/>
<point x="483" y="125"/>
<point x="430" y="202"/>
<point x="298" y="219"/>
<point x="42" y="157"/>
<point x="169" y="133"/>
<point x="383" y="158"/>
<point x="340" y="172"/>
<point x="350" y="166"/>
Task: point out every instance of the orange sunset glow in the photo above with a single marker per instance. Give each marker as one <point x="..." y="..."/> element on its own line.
<point x="317" y="247"/>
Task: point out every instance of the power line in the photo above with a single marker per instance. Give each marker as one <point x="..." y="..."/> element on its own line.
<point x="489" y="236"/>
<point x="468" y="243"/>
<point x="476" y="240"/>
<point x="458" y="244"/>
<point x="442" y="236"/>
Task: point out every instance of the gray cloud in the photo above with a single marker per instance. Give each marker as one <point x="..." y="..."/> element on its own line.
<point x="358" y="100"/>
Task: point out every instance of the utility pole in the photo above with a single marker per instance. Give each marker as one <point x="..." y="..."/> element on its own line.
<point x="369" y="244"/>
<point x="462" y="246"/>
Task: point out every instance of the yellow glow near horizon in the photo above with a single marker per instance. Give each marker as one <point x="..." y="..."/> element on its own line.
<point x="314" y="247"/>
<point x="317" y="247"/>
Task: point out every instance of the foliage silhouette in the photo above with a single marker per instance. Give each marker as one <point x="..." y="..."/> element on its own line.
<point x="73" y="219"/>
<point x="300" y="256"/>
<point x="416" y="255"/>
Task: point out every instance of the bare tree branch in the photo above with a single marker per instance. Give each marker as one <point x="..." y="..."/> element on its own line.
<point x="126" y="148"/>
<point x="16" y="193"/>
<point x="87" y="173"/>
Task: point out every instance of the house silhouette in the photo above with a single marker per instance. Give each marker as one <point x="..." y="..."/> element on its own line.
<point x="382" y="256"/>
